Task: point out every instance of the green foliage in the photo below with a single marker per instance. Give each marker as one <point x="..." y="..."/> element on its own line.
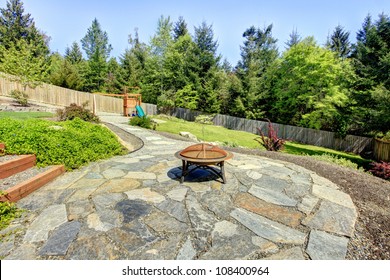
<point x="337" y="160"/>
<point x="75" y="111"/>
<point x="381" y="169"/>
<point x="8" y="212"/>
<point x="204" y="119"/>
<point x="20" y="96"/>
<point x="145" y="122"/>
<point x="25" y="115"/>
<point x="72" y="143"/>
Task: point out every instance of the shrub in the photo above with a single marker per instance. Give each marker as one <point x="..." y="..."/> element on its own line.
<point x="75" y="111"/>
<point x="8" y="212"/>
<point x="73" y="143"/>
<point x="204" y="119"/>
<point x="20" y="96"/>
<point x="337" y="160"/>
<point x="271" y="142"/>
<point x="144" y="121"/>
<point x="381" y="169"/>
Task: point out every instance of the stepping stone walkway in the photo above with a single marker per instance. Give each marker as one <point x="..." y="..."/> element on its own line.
<point x="134" y="207"/>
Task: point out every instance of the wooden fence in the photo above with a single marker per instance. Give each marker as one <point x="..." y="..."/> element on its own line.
<point x="55" y="95"/>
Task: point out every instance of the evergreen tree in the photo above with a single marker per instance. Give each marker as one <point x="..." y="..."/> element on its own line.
<point x="74" y="54"/>
<point x="180" y="28"/>
<point x="339" y="42"/>
<point x="295" y="38"/>
<point x="96" y="46"/>
<point x="16" y="25"/>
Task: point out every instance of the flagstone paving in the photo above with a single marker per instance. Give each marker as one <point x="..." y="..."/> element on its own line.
<point x="134" y="207"/>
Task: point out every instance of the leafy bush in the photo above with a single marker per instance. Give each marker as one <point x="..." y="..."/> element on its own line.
<point x="144" y="122"/>
<point x="381" y="169"/>
<point x="20" y="96"/>
<point x="75" y="111"/>
<point x="72" y="143"/>
<point x="271" y="142"/>
<point x="337" y="160"/>
<point x="8" y="212"/>
<point x="204" y="119"/>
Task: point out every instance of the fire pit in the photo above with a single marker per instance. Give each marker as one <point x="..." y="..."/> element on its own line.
<point x="203" y="155"/>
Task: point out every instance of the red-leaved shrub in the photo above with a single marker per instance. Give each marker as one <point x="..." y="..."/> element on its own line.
<point x="272" y="142"/>
<point x="381" y="169"/>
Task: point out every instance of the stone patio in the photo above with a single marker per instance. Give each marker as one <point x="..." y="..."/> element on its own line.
<point x="134" y="207"/>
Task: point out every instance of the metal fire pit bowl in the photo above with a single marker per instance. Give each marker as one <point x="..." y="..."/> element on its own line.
<point x="203" y="155"/>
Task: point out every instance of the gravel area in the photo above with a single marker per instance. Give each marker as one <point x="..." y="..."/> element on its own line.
<point x="20" y="177"/>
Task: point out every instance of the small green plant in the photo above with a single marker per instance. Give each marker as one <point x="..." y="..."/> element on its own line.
<point x="381" y="169"/>
<point x="145" y="122"/>
<point x="75" y="111"/>
<point x="8" y="212"/>
<point x="204" y="120"/>
<point x="337" y="160"/>
<point x="20" y="96"/>
<point x="272" y="142"/>
<point x="232" y="144"/>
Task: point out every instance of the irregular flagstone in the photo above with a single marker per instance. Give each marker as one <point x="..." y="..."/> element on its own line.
<point x="94" y="222"/>
<point x="218" y="203"/>
<point x="332" y="217"/>
<point x="198" y="187"/>
<point x="324" y="246"/>
<point x="230" y="241"/>
<point x="133" y="209"/>
<point x="61" y="238"/>
<point x="271" y="182"/>
<point x="283" y="215"/>
<point x="81" y="194"/>
<point x="308" y="203"/>
<point x="158" y="168"/>
<point x="267" y="228"/>
<point x="26" y="251"/>
<point x="178" y="194"/>
<point x="87" y="183"/>
<point x="79" y="209"/>
<point x="107" y="201"/>
<point x="129" y="240"/>
<point x="202" y="222"/>
<point x="97" y="247"/>
<point x="118" y="186"/>
<point x="321" y="181"/>
<point x="275" y="196"/>
<point x="165" y="249"/>
<point x="145" y="194"/>
<point x="294" y="253"/>
<point x="141" y="175"/>
<point x="187" y="251"/>
<point x="127" y="160"/>
<point x="333" y="195"/>
<point x="162" y="222"/>
<point x="265" y="245"/>
<point x="50" y="218"/>
<point x="175" y="209"/>
<point x="113" y="173"/>
<point x="254" y="174"/>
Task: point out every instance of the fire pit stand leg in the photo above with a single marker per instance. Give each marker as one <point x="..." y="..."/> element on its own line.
<point x="222" y="166"/>
<point x="183" y="171"/>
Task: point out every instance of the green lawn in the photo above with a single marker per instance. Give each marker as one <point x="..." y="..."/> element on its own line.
<point x="211" y="133"/>
<point x="25" y="115"/>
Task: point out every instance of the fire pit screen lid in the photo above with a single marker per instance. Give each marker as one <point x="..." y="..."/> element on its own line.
<point x="203" y="151"/>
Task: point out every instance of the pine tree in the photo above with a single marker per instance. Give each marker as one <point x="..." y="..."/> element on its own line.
<point x="96" y="46"/>
<point x="16" y="25"/>
<point x="339" y="42"/>
<point x="74" y="54"/>
<point x="295" y="38"/>
<point x="180" y="28"/>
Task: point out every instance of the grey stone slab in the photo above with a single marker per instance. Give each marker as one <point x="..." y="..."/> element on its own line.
<point x="113" y="173"/>
<point x="178" y="194"/>
<point x="272" y="195"/>
<point x="333" y="195"/>
<point x="268" y="229"/>
<point x="187" y="251"/>
<point x="145" y="194"/>
<point x="218" y="203"/>
<point x="50" y="218"/>
<point x="294" y="253"/>
<point x="163" y="223"/>
<point x="59" y="241"/>
<point x="325" y="246"/>
<point x="25" y="251"/>
<point x="175" y="209"/>
<point x="308" y="203"/>
<point x="133" y="209"/>
<point x="332" y="217"/>
<point x="108" y="200"/>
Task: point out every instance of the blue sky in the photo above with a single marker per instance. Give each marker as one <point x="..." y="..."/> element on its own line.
<point x="66" y="21"/>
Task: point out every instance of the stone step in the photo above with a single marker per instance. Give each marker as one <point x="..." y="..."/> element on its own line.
<point x="13" y="166"/>
<point x="26" y="187"/>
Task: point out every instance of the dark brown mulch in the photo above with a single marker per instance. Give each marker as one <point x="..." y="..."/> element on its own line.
<point x="371" y="196"/>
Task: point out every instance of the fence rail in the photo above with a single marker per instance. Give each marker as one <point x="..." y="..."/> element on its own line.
<point x="55" y="95"/>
